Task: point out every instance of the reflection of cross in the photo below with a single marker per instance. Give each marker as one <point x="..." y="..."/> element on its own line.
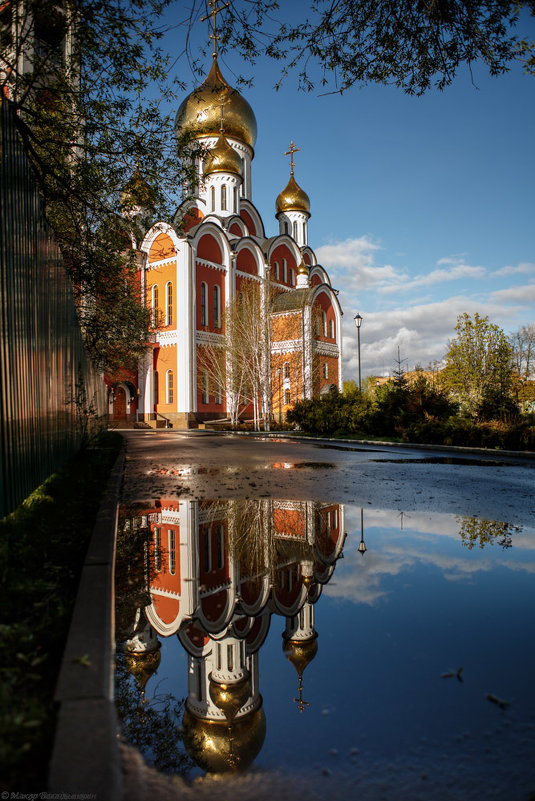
<point x="214" y="11"/>
<point x="299" y="701"/>
<point x="290" y="152"/>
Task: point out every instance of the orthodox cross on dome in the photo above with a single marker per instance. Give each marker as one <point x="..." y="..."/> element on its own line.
<point x="290" y="152"/>
<point x="221" y="104"/>
<point x="214" y="11"/>
<point x="301" y="705"/>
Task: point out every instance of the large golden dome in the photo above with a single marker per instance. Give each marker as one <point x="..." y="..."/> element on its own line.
<point x="222" y="748"/>
<point x="200" y="112"/>
<point x="293" y="198"/>
<point x="222" y="158"/>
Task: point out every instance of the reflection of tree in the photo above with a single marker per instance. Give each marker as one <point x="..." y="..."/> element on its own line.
<point x="154" y="726"/>
<point x="132" y="569"/>
<point x="478" y="531"/>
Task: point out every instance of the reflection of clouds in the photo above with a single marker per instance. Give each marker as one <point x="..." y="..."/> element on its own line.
<point x="362" y="578"/>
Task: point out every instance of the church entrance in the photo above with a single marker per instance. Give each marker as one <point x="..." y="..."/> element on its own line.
<point x="119" y="404"/>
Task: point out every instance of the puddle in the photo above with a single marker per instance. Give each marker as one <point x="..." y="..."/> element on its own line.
<point x="468" y="462"/>
<point x="385" y="653"/>
<point x="300" y="466"/>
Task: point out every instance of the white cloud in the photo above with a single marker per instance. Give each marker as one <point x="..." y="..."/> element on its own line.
<point x="516" y="294"/>
<point x="524" y="268"/>
<point x="456" y="271"/>
<point x="351" y="264"/>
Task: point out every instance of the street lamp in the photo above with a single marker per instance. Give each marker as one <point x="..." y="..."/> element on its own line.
<point x="358" y="322"/>
<point x="362" y="545"/>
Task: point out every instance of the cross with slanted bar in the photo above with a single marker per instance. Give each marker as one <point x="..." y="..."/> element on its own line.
<point x="214" y="11"/>
<point x="290" y="152"/>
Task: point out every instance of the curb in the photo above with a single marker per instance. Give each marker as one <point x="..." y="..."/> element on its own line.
<point x="85" y="758"/>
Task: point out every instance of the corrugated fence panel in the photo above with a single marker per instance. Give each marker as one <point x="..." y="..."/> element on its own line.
<point x="47" y="382"/>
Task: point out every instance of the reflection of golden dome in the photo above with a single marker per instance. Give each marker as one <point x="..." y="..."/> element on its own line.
<point x="230" y="698"/>
<point x="301" y="652"/>
<point x="293" y="198"/>
<point x="200" y="112"/>
<point x="219" y="747"/>
<point x="222" y="158"/>
<point x="143" y="665"/>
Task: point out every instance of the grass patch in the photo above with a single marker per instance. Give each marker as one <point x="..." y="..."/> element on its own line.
<point x="42" y="549"/>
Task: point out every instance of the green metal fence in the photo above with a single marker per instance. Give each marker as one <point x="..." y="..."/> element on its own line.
<point x="49" y="391"/>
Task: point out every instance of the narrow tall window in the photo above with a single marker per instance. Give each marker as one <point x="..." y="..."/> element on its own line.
<point x="172" y="550"/>
<point x="157" y="549"/>
<point x="220" y="542"/>
<point x="284" y="271"/>
<point x="286" y="369"/>
<point x="205" y="389"/>
<point x="325" y="370"/>
<point x="236" y="199"/>
<point x="207" y="542"/>
<point x="276" y="265"/>
<point x="292" y="276"/>
<point x="287" y="397"/>
<point x="324" y="323"/>
<point x="169" y="303"/>
<point x="218" y="395"/>
<point x="331" y="329"/>
<point x="295" y="230"/>
<point x="169" y="386"/>
<point x="223" y="198"/>
<point x="304" y="232"/>
<point x="154" y="305"/>
<point x="212" y="198"/>
<point x="217" y="307"/>
<point x="204" y="289"/>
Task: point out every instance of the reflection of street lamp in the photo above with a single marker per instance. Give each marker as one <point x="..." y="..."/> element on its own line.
<point x="362" y="545"/>
<point x="358" y="322"/>
<point x="280" y="400"/>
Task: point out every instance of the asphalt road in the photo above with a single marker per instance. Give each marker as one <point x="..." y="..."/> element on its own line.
<point x="203" y="465"/>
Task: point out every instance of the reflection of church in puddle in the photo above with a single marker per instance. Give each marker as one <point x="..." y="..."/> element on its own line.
<point x="217" y="573"/>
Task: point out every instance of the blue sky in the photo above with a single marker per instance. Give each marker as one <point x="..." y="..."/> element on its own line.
<point x="422" y="208"/>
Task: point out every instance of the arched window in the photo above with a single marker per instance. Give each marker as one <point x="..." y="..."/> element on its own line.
<point x="286" y="227"/>
<point x="217" y="307"/>
<point x="295" y="230"/>
<point x="284" y="271"/>
<point x="204" y="316"/>
<point x="172" y="550"/>
<point x="236" y="199"/>
<point x="224" y="198"/>
<point x="212" y="198"/>
<point x="218" y="395"/>
<point x="287" y="396"/>
<point x="169" y="381"/>
<point x="331" y="329"/>
<point x="286" y="369"/>
<point x="205" y="397"/>
<point x="276" y="266"/>
<point x="169" y="303"/>
<point x="325" y="370"/>
<point x="324" y="323"/>
<point x="292" y="276"/>
<point x="304" y="232"/>
<point x="154" y="305"/>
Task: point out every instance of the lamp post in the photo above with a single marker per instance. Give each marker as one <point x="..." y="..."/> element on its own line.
<point x="362" y="545"/>
<point x="358" y="322"/>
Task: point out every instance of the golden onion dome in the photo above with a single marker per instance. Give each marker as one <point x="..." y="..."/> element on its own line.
<point x="137" y="192"/>
<point x="303" y="270"/>
<point x="293" y="198"/>
<point x="200" y="112"/>
<point x="301" y="652"/>
<point x="218" y="747"/>
<point x="143" y="665"/>
<point x="230" y="698"/>
<point x="222" y="158"/>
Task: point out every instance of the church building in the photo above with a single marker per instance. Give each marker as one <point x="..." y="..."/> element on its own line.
<point x="196" y="271"/>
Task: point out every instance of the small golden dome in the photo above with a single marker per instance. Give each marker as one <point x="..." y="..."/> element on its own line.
<point x="301" y="652"/>
<point x="218" y="747"/>
<point x="303" y="268"/>
<point x="200" y="111"/>
<point x="293" y="198"/>
<point x="230" y="698"/>
<point x="143" y="665"/>
<point x="137" y="192"/>
<point x="222" y="158"/>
